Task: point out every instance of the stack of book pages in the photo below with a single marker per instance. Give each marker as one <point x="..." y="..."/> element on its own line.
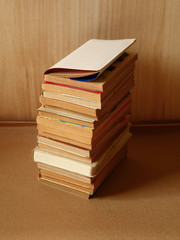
<point x="83" y="123"/>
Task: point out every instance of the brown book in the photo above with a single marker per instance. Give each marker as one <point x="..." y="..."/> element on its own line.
<point x="65" y="134"/>
<point x="79" y="153"/>
<point x="108" y="105"/>
<point x="77" y="135"/>
<point x="111" y="120"/>
<point x="91" y="150"/>
<point x="65" y="188"/>
<point x="43" y="133"/>
<point x="97" y="151"/>
<point x="46" y="173"/>
<point x="64" y="153"/>
<point x="76" y="150"/>
<point x="65" y="126"/>
<point x="65" y="173"/>
<point x="122" y="88"/>
<point x="68" y="116"/>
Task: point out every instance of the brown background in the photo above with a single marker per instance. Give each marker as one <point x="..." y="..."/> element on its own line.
<point x="37" y="34"/>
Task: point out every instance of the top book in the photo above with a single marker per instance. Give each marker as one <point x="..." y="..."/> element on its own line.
<point x="88" y="61"/>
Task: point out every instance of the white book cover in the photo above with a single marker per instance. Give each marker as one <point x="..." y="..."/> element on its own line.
<point x="92" y="58"/>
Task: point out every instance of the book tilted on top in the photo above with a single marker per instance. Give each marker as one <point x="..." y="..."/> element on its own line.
<point x="89" y="60"/>
<point x="105" y="81"/>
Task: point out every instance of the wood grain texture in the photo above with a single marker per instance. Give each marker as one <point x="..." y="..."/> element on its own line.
<point x="37" y="34"/>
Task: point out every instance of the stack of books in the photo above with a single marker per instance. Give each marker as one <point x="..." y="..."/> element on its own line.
<point x="83" y="123"/>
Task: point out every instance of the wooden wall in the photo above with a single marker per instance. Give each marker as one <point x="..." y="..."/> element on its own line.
<point x="35" y="34"/>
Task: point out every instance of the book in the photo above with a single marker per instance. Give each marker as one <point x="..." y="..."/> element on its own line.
<point x="107" y="105"/>
<point x="83" y="123"/>
<point x="64" y="188"/>
<point x="81" y="127"/>
<point x="103" y="82"/>
<point x="86" y="62"/>
<point x="46" y="140"/>
<point x="77" y="183"/>
<point x="67" y="90"/>
<point x="53" y="135"/>
<point x="86" y="169"/>
<point x="77" y="118"/>
<point x="76" y="136"/>
<point x="125" y="84"/>
<point x="62" y="172"/>
<point x="76" y="153"/>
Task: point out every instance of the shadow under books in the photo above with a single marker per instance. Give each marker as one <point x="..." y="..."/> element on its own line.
<point x="148" y="163"/>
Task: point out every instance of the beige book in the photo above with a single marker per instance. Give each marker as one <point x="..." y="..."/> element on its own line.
<point x="72" y="183"/>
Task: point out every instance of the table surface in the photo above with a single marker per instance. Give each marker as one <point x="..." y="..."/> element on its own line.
<point x="139" y="200"/>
